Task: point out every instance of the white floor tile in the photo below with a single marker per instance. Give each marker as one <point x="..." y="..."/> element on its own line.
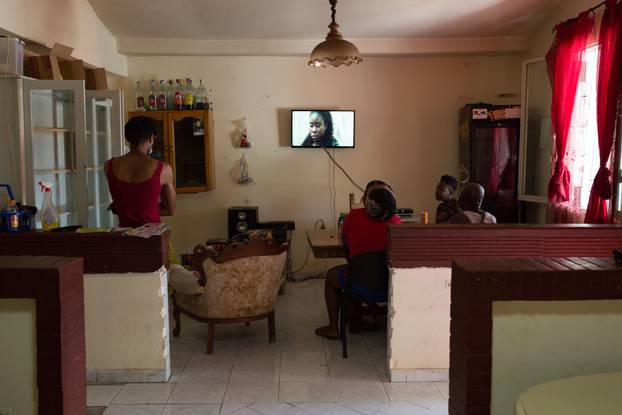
<point x="421" y="393"/>
<point x="101" y="395"/>
<point x="215" y="373"/>
<point x="277" y="409"/>
<point x="443" y="388"/>
<point x="303" y="372"/>
<point x="359" y="392"/>
<point x="305" y="392"/>
<point x="134" y="410"/>
<point x="404" y="408"/>
<point x="189" y="393"/>
<point x="229" y="408"/>
<point x="144" y="393"/>
<point x="249" y="393"/>
<point x="317" y="408"/>
<point x="367" y="408"/>
<point x="352" y="370"/>
<point x="191" y="410"/>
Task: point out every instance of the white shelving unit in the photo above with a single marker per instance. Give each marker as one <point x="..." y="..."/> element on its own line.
<point x="58" y="132"/>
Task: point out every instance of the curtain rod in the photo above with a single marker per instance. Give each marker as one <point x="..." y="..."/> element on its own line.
<point x="590" y="10"/>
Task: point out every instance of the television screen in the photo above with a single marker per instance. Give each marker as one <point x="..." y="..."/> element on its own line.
<point x="323" y="128"/>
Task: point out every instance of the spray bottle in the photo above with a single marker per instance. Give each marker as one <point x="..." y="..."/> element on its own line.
<point x="48" y="214"/>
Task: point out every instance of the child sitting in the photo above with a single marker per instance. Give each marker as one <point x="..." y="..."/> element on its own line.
<point x="445" y="191"/>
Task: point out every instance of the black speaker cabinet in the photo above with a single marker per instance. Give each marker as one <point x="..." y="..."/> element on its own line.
<point x="241" y="219"/>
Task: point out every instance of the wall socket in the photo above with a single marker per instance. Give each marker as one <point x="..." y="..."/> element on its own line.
<point x="6" y="411"/>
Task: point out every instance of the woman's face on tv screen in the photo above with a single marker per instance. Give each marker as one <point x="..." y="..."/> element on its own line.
<point x="317" y="126"/>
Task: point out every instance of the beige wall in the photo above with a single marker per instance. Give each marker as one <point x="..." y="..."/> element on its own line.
<point x="70" y="22"/>
<point x="538" y="341"/>
<point x="126" y="323"/>
<point x="418" y="335"/>
<point x="406" y="131"/>
<point x="18" y="356"/>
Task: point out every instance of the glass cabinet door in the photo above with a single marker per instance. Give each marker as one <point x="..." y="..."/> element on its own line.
<point x="103" y="141"/>
<point x="190" y="151"/>
<point x="54" y="129"/>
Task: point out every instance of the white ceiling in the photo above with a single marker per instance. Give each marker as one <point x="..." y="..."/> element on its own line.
<point x="308" y="19"/>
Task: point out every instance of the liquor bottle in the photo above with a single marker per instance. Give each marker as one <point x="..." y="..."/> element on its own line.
<point x="162" y="96"/>
<point x="140" y="99"/>
<point x="189" y="95"/>
<point x="201" y="98"/>
<point x="170" y="95"/>
<point x="152" y="97"/>
<point x="179" y="99"/>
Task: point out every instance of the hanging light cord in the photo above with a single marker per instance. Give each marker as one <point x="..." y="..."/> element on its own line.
<point x="333" y="9"/>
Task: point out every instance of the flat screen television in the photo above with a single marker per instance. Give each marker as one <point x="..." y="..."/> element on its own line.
<point x="323" y="128"/>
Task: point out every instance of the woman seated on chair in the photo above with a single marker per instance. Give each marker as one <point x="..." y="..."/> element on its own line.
<point x="364" y="231"/>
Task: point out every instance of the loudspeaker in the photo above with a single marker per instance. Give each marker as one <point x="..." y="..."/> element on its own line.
<point x="241" y="219"/>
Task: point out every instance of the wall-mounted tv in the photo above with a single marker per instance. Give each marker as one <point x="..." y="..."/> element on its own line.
<point x="323" y="128"/>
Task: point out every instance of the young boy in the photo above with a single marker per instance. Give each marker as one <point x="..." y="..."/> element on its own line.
<point x="445" y="191"/>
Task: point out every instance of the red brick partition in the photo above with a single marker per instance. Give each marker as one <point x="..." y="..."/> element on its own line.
<point x="109" y="252"/>
<point x="413" y="245"/>
<point x="475" y="284"/>
<point x="56" y="284"/>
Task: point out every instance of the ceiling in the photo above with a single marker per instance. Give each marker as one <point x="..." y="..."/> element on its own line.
<point x="308" y="19"/>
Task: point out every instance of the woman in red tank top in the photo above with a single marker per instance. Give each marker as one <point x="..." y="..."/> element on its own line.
<point x="142" y="188"/>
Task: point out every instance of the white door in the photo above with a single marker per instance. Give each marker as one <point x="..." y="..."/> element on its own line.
<point x="104" y="140"/>
<point x="54" y="150"/>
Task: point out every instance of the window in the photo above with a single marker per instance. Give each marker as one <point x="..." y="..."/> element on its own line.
<point x="582" y="153"/>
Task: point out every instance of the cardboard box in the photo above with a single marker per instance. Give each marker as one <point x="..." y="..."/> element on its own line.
<point x="96" y="79"/>
<point x="44" y="67"/>
<point x="73" y="70"/>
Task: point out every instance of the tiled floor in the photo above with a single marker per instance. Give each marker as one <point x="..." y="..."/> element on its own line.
<point x="299" y="374"/>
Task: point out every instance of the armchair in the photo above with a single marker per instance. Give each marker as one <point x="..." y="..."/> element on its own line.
<point x="240" y="284"/>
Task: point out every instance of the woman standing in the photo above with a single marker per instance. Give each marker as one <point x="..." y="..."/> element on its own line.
<point x="142" y="188"/>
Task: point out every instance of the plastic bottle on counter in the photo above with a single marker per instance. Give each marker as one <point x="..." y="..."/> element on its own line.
<point x="48" y="213"/>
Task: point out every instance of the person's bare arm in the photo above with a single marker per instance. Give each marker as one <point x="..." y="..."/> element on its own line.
<point x="169" y="197"/>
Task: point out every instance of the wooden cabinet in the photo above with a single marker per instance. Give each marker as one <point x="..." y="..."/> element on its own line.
<point x="183" y="140"/>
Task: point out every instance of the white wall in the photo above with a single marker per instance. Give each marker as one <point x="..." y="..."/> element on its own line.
<point x="71" y="22"/>
<point x="538" y="341"/>
<point x="18" y="356"/>
<point x="406" y="131"/>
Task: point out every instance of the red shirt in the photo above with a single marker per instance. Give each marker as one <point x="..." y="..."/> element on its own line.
<point x="362" y="234"/>
<point x="136" y="203"/>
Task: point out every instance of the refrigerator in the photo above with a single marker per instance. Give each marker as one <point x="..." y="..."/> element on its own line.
<point x="489" y="143"/>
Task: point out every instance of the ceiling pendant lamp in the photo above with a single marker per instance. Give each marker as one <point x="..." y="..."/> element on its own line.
<point x="335" y="50"/>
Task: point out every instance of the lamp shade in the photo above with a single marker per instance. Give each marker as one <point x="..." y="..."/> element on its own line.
<point x="335" y="50"/>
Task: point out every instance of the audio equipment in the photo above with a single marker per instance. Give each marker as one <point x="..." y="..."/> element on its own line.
<point x="241" y="219"/>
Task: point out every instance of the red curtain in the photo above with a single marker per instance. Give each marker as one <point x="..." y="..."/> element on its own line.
<point x="564" y="61"/>
<point x="609" y="60"/>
